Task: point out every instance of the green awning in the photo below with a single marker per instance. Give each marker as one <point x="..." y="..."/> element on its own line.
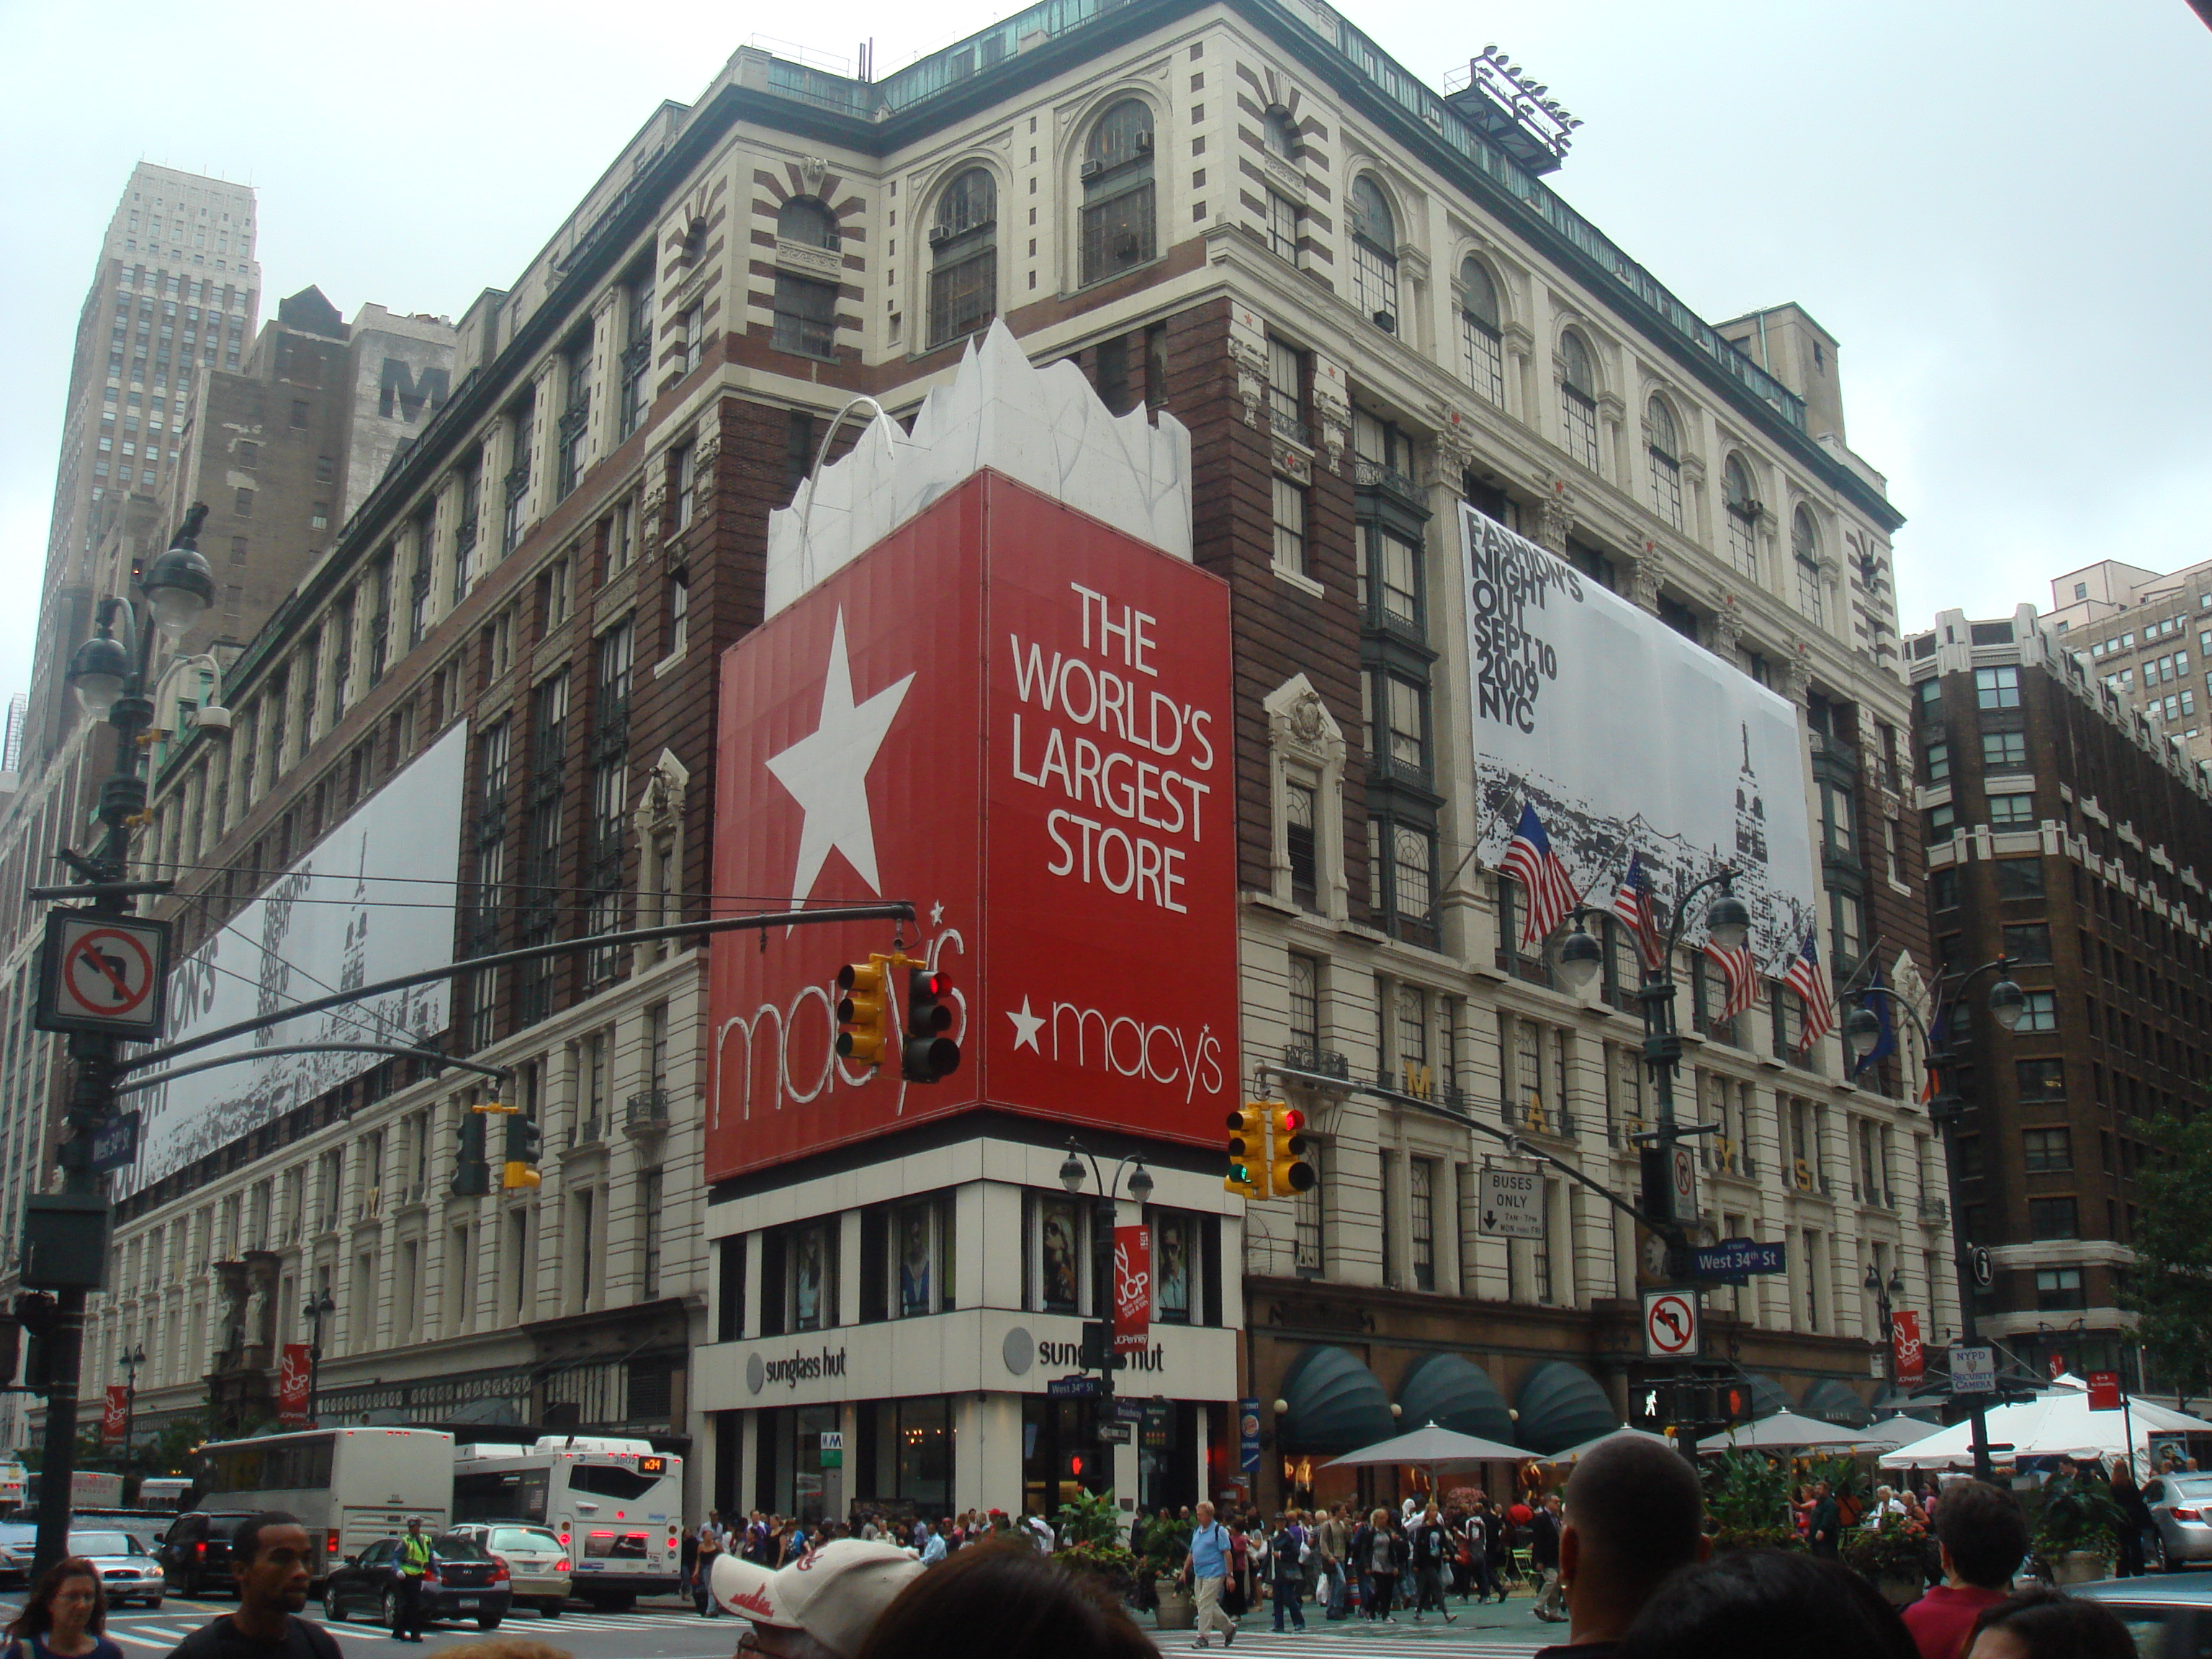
<point x="1767" y="1397"/>
<point x="1331" y="1404"/>
<point x="1453" y="1393"/>
<point x="1561" y="1406"/>
<point x="1834" y="1403"/>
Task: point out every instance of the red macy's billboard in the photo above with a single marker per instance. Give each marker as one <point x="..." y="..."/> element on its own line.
<point x="1019" y="718"/>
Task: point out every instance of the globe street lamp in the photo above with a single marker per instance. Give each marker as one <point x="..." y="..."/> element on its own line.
<point x="1862" y="1031"/>
<point x="1139" y="1189"/>
<point x="319" y="1307"/>
<point x="1885" y="1294"/>
<point x="110" y="677"/>
<point x="130" y="1360"/>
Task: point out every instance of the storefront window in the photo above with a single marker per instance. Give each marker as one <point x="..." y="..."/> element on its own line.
<point x="1174" y="1246"/>
<point x="1057" y="1249"/>
<point x="792" y="1479"/>
<point x="905" y="1454"/>
<point x="922" y="1236"/>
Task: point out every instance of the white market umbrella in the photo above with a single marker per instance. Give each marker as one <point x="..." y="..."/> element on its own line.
<point x="1900" y="1430"/>
<point x="1786" y="1430"/>
<point x="1435" y="1447"/>
<point x="1573" y="1453"/>
<point x="2053" y="1423"/>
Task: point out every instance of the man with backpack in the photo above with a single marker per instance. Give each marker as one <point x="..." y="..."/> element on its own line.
<point x="1206" y="1570"/>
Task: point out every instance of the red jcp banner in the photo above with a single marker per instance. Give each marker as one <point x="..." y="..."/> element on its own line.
<point x="1132" y="1289"/>
<point x="292" y="1386"/>
<point x="1905" y="1338"/>
<point x="115" y="1421"/>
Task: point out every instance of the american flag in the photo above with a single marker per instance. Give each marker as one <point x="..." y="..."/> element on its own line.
<point x="1633" y="904"/>
<point x="1738" y="973"/>
<point x="1530" y="861"/>
<point x="1811" y="985"/>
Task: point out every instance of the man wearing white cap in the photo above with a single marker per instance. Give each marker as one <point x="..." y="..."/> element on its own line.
<point x="821" y="1605"/>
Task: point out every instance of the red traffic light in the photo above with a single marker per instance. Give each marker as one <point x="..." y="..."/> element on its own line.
<point x="928" y="1054"/>
<point x="1290" y="1120"/>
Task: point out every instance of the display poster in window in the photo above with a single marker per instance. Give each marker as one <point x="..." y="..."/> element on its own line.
<point x="1011" y="708"/>
<point x="1132" y="1289"/>
<point x="1630" y="741"/>
<point x="1174" y="1265"/>
<point x="914" y="1260"/>
<point x="1057" y="1233"/>
<point x="806" y="1251"/>
<point x="293" y="1375"/>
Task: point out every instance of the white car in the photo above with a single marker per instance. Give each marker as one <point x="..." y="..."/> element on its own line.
<point x="128" y="1573"/>
<point x="536" y="1563"/>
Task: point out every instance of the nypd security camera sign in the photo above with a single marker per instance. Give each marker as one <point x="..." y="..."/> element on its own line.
<point x="102" y="973"/>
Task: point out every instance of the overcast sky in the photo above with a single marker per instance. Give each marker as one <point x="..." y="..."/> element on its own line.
<point x="1999" y="207"/>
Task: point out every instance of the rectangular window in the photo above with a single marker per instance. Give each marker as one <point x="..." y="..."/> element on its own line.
<point x="806" y="317"/>
<point x="1118" y="234"/>
<point x="963" y="296"/>
<point x="1420" y="1174"/>
<point x="1289" y="526"/>
<point x="2040" y="1013"/>
<point x="921" y="1235"/>
<point x="2028" y="941"/>
<point x="1482" y="358"/>
<point x="1282" y="227"/>
<point x="1307" y="1217"/>
<point x="1299" y="847"/>
<point x="687" y="478"/>
<point x="2012" y="811"/>
<point x="1175" y="1256"/>
<point x="1938" y="760"/>
<point x="2053" y="1217"/>
<point x="1305" y="1003"/>
<point x="2019" y="878"/>
<point x="637" y="353"/>
<point x="2058" y="1290"/>
<point x="2043" y="1151"/>
<point x="2004" y="752"/>
<point x="1998" y="687"/>
<point x="1578" y="418"/>
<point x="1059" y="1254"/>
<point x="1941" y="821"/>
<point x="694" y="337"/>
<point x="810" y="1257"/>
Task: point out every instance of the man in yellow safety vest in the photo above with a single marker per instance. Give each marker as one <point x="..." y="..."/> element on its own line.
<point x="409" y="1563"/>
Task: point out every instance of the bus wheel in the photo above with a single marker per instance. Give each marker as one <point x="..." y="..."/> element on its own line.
<point x="613" y="1601"/>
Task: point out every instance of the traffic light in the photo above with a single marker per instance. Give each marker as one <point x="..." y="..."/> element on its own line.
<point x="862" y="1007"/>
<point x="1288" y="1171"/>
<point x="36" y="1313"/>
<point x="1248" y="1152"/>
<point x="524" y="1138"/>
<point x="930" y="1055"/>
<point x="471" y="1178"/>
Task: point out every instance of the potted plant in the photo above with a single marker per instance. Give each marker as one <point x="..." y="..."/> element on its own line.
<point x="2074" y="1534"/>
<point x="1747" y="1502"/>
<point x="1090" y="1541"/>
<point x="1166" y="1547"/>
<point x="1893" y="1556"/>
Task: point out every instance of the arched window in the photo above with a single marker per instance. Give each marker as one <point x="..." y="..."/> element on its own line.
<point x="1481" y="336"/>
<point x="805" y="307"/>
<point x="1662" y="444"/>
<point x="1742" y="514"/>
<point x="1374" y="254"/>
<point x="1276" y="133"/>
<point x="1118" y="201"/>
<point x="963" y="258"/>
<point x="1805" y="544"/>
<point x="1577" y="400"/>
<point x="804" y="219"/>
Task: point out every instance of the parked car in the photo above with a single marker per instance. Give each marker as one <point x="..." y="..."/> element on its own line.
<point x="127" y="1567"/>
<point x="536" y="1563"/>
<point x="194" y="1554"/>
<point x="464" y="1582"/>
<point x="15" y="1572"/>
<point x="2167" y="1616"/>
<point x="2181" y="1507"/>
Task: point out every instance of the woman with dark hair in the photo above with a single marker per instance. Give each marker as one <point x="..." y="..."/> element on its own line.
<point x="65" y="1617"/>
<point x="2133" y="1522"/>
<point x="2044" y="1623"/>
<point x="1752" y="1604"/>
<point x="1001" y="1598"/>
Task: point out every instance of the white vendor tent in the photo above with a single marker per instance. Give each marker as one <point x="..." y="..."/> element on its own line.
<point x="2058" y="1421"/>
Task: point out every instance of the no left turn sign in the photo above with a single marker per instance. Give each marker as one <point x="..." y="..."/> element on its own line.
<point x="1670" y="1324"/>
<point x="103" y="973"/>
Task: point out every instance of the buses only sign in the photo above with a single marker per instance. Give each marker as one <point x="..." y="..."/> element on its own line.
<point x="103" y="973"/>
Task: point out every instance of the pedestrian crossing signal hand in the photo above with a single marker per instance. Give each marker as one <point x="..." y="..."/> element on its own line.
<point x="862" y="1008"/>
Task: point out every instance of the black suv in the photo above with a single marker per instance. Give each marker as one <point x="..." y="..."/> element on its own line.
<point x="195" y="1551"/>
<point x="465" y="1581"/>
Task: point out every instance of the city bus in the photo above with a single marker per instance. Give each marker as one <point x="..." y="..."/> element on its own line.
<point x="349" y="1486"/>
<point x="617" y="1506"/>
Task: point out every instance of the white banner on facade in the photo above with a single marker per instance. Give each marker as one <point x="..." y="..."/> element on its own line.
<point x="342" y="916"/>
<point x="1630" y="739"/>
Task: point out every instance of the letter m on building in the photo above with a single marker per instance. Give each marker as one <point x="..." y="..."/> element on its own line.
<point x="401" y="387"/>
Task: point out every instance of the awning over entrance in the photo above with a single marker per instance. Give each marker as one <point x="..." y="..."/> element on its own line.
<point x="1333" y="1403"/>
<point x="1894" y="1400"/>
<point x="1562" y="1405"/>
<point x="1832" y="1402"/>
<point x="1454" y="1393"/>
<point x="1767" y="1396"/>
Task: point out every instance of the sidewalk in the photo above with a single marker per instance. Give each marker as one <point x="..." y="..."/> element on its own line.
<point x="1514" y="1620"/>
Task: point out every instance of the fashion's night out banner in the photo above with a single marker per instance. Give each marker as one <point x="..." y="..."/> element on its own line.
<point x="1629" y="739"/>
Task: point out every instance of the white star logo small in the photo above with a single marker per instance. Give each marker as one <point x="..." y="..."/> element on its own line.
<point x="827" y="774"/>
<point x="937" y="915"/>
<point x="1026" y="1025"/>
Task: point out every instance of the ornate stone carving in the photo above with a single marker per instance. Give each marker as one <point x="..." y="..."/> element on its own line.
<point x="1728" y="626"/>
<point x="708" y="444"/>
<point x="1307" y="721"/>
<point x="1797" y="671"/>
<point x="1251" y="362"/>
<point x="1454" y="451"/>
<point x="812" y="169"/>
<point x="649" y="509"/>
<point x="1555" y="516"/>
<point x="1643" y="579"/>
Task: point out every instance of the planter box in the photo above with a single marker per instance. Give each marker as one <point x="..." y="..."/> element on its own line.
<point x="2078" y="1567"/>
<point x="1178" y="1608"/>
<point x="1900" y="1592"/>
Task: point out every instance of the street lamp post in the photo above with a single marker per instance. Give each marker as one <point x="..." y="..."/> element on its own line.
<point x="320" y="1306"/>
<point x="1139" y="1187"/>
<point x="1862" y="1031"/>
<point x="1885" y="1292"/>
<point x="110" y="678"/>
<point x="1728" y="924"/>
<point x="130" y="1360"/>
